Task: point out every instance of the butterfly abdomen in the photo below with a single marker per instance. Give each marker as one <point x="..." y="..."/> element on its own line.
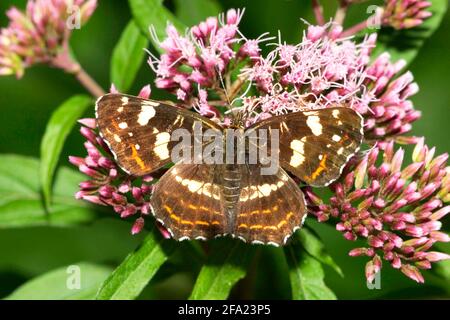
<point x="231" y="190"/>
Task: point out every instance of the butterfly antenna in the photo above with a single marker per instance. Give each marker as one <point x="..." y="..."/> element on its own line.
<point x="224" y="88"/>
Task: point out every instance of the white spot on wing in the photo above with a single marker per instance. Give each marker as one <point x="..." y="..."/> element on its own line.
<point x="124" y="101"/>
<point x="161" y="145"/>
<point x="313" y="123"/>
<point x="117" y="138"/>
<point x="137" y="146"/>
<point x="298" y="148"/>
<point x="336" y="138"/>
<point x="147" y="112"/>
<point x="336" y="113"/>
<point x="123" y="125"/>
<point x="265" y="189"/>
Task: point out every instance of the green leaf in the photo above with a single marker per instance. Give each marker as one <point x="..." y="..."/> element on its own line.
<point x="314" y="246"/>
<point x="21" y="204"/>
<point x="192" y="12"/>
<point x="148" y="13"/>
<point x="306" y="274"/>
<point x="225" y="267"/>
<point x="58" y="128"/>
<point x="62" y="284"/>
<point x="128" y="56"/>
<point x="138" y="268"/>
<point x="405" y="44"/>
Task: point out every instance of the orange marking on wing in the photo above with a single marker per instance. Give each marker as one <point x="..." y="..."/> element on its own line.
<point x="191" y="206"/>
<point x="275" y="208"/>
<point x="289" y="214"/>
<point x="215" y="222"/>
<point x="270" y="228"/>
<point x="322" y="166"/>
<point x="173" y="216"/>
<point x="203" y="223"/>
<point x="258" y="226"/>
<point x="243" y="225"/>
<point x="136" y="157"/>
<point x="282" y="223"/>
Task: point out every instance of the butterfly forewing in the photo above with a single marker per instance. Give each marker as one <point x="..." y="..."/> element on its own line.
<point x="138" y="131"/>
<point x="315" y="145"/>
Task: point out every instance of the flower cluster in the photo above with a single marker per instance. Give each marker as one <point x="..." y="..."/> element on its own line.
<point x="396" y="208"/>
<point x="41" y="34"/>
<point x="404" y="14"/>
<point x="200" y="62"/>
<point x="108" y="185"/>
<point x="324" y="70"/>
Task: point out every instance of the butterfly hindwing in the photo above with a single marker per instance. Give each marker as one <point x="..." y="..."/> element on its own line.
<point x="138" y="131"/>
<point x="270" y="207"/>
<point x="315" y="145"/>
<point x="188" y="202"/>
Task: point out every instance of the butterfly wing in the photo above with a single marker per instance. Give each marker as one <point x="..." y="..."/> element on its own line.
<point x="138" y="131"/>
<point x="187" y="200"/>
<point x="270" y="207"/>
<point x="315" y="145"/>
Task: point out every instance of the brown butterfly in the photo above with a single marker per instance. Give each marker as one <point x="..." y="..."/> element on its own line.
<point x="202" y="201"/>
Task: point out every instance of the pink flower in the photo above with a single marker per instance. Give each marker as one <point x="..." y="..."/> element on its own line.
<point x="326" y="70"/>
<point x="107" y="184"/>
<point x="41" y="34"/>
<point x="396" y="209"/>
<point x="200" y="59"/>
<point x="405" y="14"/>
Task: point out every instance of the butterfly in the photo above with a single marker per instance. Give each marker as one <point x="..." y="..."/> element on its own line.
<point x="203" y="201"/>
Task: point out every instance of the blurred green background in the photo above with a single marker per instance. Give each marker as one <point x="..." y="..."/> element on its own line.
<point x="26" y="105"/>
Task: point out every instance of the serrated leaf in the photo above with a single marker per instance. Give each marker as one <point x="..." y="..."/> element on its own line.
<point x="227" y="264"/>
<point x="306" y="275"/>
<point x="138" y="268"/>
<point x="58" y="128"/>
<point x="128" y="56"/>
<point x="314" y="246"/>
<point x="21" y="204"/>
<point x="192" y="12"/>
<point x="153" y="13"/>
<point x="61" y="284"/>
<point x="405" y="44"/>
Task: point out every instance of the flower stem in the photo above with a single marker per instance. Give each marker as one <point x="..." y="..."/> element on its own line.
<point x="90" y="84"/>
<point x="318" y="12"/>
<point x="355" y="29"/>
<point x="341" y="12"/>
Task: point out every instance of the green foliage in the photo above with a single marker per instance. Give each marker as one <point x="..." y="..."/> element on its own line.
<point x="58" y="285"/>
<point x="58" y="128"/>
<point x="405" y="44"/>
<point x="134" y="273"/>
<point x="153" y="14"/>
<point x="128" y="56"/>
<point x="193" y="11"/>
<point x="306" y="275"/>
<point x="21" y="204"/>
<point x="226" y="265"/>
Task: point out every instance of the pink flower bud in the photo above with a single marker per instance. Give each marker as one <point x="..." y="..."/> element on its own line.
<point x="138" y="226"/>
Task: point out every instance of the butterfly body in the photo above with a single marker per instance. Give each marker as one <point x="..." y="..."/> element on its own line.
<point x="199" y="200"/>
